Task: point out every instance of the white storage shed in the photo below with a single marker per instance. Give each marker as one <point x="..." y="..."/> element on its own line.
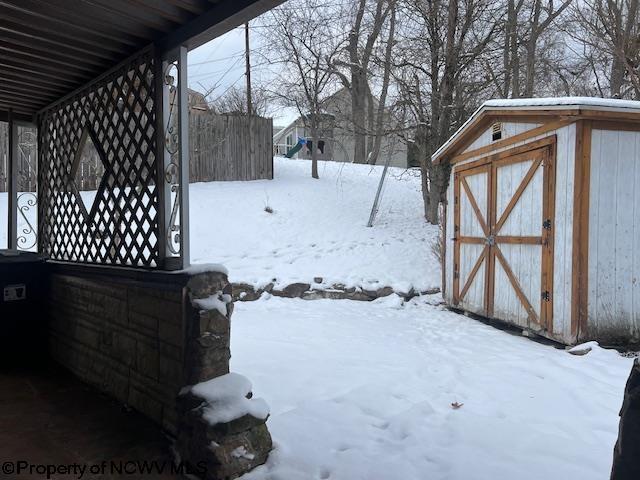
<point x="542" y="223"/>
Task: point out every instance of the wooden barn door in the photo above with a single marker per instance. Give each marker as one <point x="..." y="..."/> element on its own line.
<point x="503" y="251"/>
<point x="471" y="230"/>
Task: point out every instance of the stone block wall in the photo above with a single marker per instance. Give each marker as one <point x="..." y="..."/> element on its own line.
<point x="139" y="339"/>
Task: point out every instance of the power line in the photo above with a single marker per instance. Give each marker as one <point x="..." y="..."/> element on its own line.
<point x="222" y="59"/>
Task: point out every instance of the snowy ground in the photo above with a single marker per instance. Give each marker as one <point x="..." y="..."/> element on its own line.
<point x="363" y="391"/>
<point x="318" y="228"/>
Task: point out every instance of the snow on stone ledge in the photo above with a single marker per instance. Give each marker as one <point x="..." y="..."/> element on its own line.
<point x="226" y="399"/>
<point x="204" y="268"/>
<point x="217" y="301"/>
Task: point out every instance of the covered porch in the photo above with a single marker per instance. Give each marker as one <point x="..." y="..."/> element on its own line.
<point x="102" y="286"/>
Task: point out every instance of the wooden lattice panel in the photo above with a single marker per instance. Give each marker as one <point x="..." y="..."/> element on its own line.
<point x="120" y="227"/>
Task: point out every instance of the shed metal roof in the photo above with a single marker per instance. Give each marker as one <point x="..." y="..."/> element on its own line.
<point x="49" y="48"/>
<point x="628" y="110"/>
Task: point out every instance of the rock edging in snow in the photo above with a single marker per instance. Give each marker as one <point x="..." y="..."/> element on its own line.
<point x="245" y="292"/>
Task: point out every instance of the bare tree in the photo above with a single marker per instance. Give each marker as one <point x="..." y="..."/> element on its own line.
<point x="381" y="112"/>
<point x="234" y="100"/>
<point x="354" y="68"/>
<point x="299" y="44"/>
<point x="439" y="78"/>
<point x="526" y="26"/>
<point x="610" y="32"/>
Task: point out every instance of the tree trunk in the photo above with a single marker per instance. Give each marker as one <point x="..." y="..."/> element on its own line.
<point x="314" y="152"/>
<point x="506" y="54"/>
<point x="372" y="131"/>
<point x="617" y="76"/>
<point x="530" y="65"/>
<point x="378" y="127"/>
<point x="358" y="96"/>
<point x="436" y="194"/>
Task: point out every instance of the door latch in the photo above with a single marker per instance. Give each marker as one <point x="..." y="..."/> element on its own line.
<point x="546" y="296"/>
<point x="547" y="224"/>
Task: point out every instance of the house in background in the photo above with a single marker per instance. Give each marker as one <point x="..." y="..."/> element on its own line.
<point x="337" y="139"/>
<point x="197" y="101"/>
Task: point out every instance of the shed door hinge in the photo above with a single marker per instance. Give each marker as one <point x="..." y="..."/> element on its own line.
<point x="546" y="296"/>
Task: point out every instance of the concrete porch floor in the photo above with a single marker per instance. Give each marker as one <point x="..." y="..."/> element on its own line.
<point x="47" y="416"/>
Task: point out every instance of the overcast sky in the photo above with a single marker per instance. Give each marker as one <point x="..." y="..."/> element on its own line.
<point x="220" y="64"/>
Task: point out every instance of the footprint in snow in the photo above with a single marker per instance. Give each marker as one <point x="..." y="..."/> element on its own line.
<point x="381" y="425"/>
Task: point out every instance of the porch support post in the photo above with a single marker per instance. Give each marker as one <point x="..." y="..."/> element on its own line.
<point x="173" y="175"/>
<point x="164" y="198"/>
<point x="12" y="184"/>
<point x="183" y="125"/>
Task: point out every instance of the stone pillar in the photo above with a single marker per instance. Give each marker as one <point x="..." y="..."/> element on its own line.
<point x="152" y="340"/>
<point x="216" y="448"/>
<point x="626" y="453"/>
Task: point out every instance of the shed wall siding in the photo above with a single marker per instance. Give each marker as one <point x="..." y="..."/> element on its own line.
<point x="565" y="165"/>
<point x="614" y="237"/>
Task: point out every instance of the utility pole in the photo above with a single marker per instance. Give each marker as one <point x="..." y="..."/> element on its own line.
<point x="248" y="68"/>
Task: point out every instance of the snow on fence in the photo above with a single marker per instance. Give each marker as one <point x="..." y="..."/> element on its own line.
<point x="222" y="147"/>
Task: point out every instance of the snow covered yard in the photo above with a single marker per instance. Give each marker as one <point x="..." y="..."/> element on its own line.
<point x="317" y="228"/>
<point x="363" y="391"/>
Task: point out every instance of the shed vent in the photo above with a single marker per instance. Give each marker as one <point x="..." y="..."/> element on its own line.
<point x="496" y="131"/>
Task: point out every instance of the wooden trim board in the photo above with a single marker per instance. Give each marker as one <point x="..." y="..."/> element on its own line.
<point x="463" y="139"/>
<point x="580" y="246"/>
<point x="549" y="211"/>
<point x="509" y="154"/>
<point x="521" y="137"/>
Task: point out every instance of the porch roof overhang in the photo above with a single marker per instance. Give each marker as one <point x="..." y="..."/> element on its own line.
<point x="539" y="110"/>
<point x="50" y="48"/>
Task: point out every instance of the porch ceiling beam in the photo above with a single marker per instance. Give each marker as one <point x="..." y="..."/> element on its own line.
<point x="18" y="116"/>
<point x="149" y="11"/>
<point x="31" y="85"/>
<point x="19" y="62"/>
<point x="193" y="6"/>
<point x="52" y="56"/>
<point x="11" y="89"/>
<point x="36" y="75"/>
<point x="223" y="16"/>
<point x="85" y="14"/>
<point x="27" y="94"/>
<point x="84" y="41"/>
<point x="36" y="48"/>
<point x="30" y="12"/>
<point x="18" y="99"/>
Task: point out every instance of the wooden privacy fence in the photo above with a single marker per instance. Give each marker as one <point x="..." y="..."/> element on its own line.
<point x="221" y="147"/>
<point x="230" y="147"/>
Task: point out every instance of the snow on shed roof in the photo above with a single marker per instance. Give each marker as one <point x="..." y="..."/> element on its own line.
<point x="563" y="102"/>
<point x="548" y="103"/>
